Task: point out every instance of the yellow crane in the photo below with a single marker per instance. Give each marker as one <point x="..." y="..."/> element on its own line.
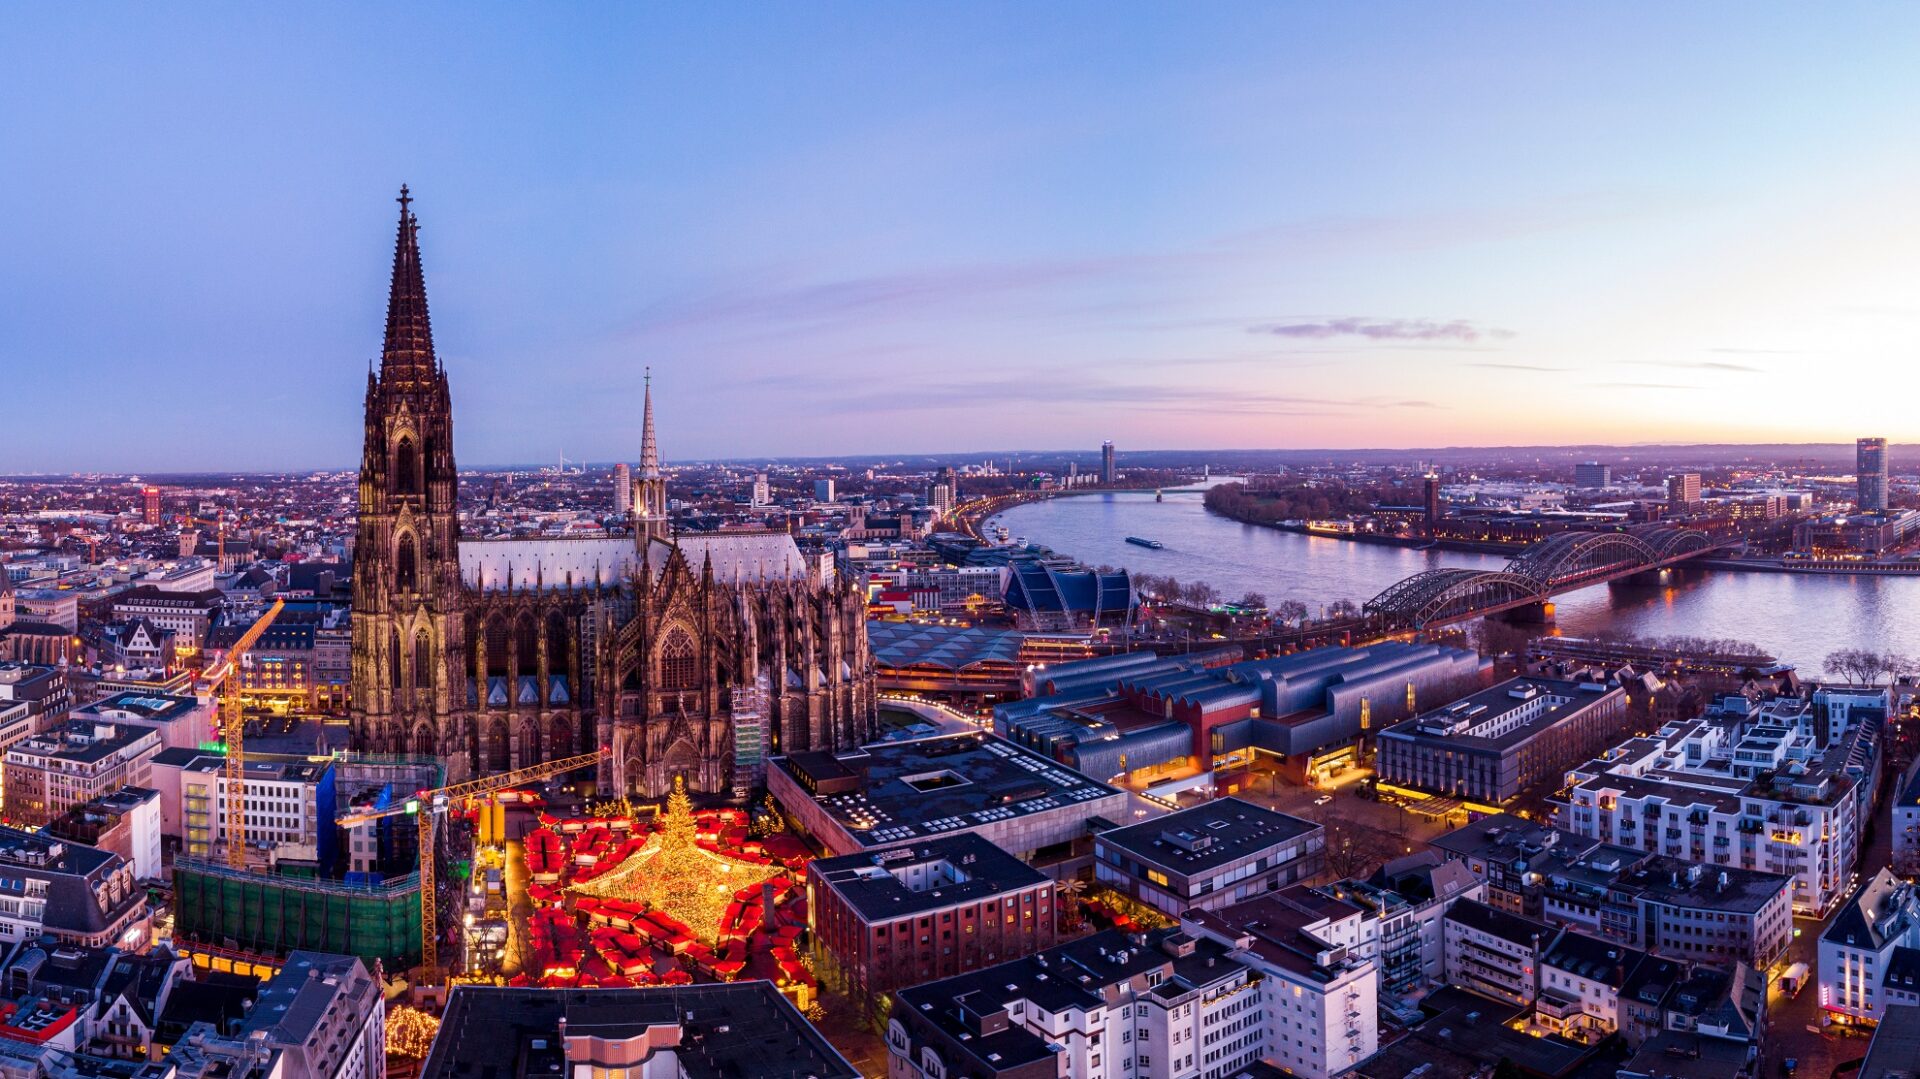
<point x="427" y="806"/>
<point x="224" y="676"/>
<point x="220" y="527"/>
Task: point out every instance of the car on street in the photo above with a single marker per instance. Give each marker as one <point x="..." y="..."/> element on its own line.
<point x="1323" y="799"/>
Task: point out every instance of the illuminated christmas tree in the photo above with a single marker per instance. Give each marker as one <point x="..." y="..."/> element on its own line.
<point x="673" y="874"/>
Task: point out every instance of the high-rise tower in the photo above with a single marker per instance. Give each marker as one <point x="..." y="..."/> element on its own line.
<point x="406" y="567"/>
<point x="650" y="509"/>
<point x="1870" y="473"/>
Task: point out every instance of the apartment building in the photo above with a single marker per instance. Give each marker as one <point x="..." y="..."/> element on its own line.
<point x="1784" y="787"/>
<point x="1321" y="1000"/>
<point x="49" y="773"/>
<point x="1107" y="1006"/>
<point x="1870" y="950"/>
<point x="326" y="1015"/>
<point x="69" y="892"/>
<point x="1687" y="910"/>
<point x="1906" y="823"/>
<point x="1496" y="953"/>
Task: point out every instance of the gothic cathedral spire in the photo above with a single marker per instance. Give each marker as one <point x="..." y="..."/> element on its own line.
<point x="408" y="686"/>
<point x="650" y="508"/>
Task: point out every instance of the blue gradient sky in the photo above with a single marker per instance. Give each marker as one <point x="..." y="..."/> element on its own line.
<point x="915" y="227"/>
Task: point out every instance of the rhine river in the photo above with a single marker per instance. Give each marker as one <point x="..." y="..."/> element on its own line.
<point x="1797" y="617"/>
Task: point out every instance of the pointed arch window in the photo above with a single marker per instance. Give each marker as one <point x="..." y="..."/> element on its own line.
<point x="405" y="566"/>
<point x="423" y="661"/>
<point x="396" y="661"/>
<point x="679" y="662"/>
<point x="406" y="468"/>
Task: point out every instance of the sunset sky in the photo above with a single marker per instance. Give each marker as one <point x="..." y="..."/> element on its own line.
<point x="912" y="227"/>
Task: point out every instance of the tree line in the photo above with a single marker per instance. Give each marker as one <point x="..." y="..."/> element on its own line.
<point x="1270" y="502"/>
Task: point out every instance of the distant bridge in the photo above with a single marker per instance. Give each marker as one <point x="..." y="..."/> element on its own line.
<point x="1560" y="563"/>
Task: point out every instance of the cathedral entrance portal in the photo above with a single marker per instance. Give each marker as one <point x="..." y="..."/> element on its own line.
<point x="681" y="762"/>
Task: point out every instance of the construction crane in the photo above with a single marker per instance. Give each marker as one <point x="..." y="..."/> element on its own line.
<point x="233" y="726"/>
<point x="428" y="806"/>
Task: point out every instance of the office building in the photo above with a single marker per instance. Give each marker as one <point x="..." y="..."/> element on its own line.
<point x="150" y="506"/>
<point x="891" y="793"/>
<point x="70" y="892"/>
<point x="1108" y="473"/>
<point x="289" y="811"/>
<point x="762" y="495"/>
<point x="1108" y="1006"/>
<point x="1784" y="786"/>
<point x="1491" y="746"/>
<point x="1592" y="474"/>
<point x="1683" y="490"/>
<point x="940" y="499"/>
<point x="934" y="909"/>
<point x="181" y="722"/>
<point x="42" y="691"/>
<point x="1862" y="535"/>
<point x="742" y="1030"/>
<point x="823" y="490"/>
<point x="1873" y="940"/>
<point x="187" y="614"/>
<point x="622" y="489"/>
<point x="1870" y="474"/>
<point x="49" y="773"/>
<point x="1208" y="856"/>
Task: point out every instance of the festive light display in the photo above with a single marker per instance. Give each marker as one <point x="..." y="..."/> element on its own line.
<point x="410" y="1032"/>
<point x="675" y="875"/>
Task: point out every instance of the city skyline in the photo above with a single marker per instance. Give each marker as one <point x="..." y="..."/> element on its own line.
<point x="922" y="232"/>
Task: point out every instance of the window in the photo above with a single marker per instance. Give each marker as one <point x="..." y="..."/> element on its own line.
<point x="679" y="662"/>
<point x="404" y="576"/>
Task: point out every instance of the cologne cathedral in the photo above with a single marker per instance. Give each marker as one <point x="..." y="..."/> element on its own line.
<point x="693" y="656"/>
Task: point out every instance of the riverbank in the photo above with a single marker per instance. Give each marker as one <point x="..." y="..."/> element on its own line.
<point x="1410" y="543"/>
<point x="1822" y="569"/>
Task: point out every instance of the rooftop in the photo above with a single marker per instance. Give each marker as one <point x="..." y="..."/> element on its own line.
<point x="1205" y="837"/>
<point x="905" y="644"/>
<point x="1505" y="715"/>
<point x="889" y="793"/>
<point x="966" y="869"/>
<point x="741" y="1030"/>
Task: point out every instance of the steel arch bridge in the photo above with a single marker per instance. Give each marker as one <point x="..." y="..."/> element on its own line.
<point x="1559" y="563"/>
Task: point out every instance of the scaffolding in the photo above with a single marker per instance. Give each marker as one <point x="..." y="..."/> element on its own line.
<point x="272" y="914"/>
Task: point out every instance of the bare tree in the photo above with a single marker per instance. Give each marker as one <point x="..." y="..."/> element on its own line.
<point x="1343" y="608"/>
<point x="1291" y="611"/>
<point x="1252" y="601"/>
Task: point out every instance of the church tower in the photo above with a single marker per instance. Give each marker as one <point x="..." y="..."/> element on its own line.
<point x="409" y="684"/>
<point x="650" y="505"/>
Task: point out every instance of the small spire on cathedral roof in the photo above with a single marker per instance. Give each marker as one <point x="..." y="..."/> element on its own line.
<point x="649" y="446"/>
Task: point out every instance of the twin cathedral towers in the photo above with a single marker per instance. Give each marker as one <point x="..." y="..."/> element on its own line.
<point x="697" y="655"/>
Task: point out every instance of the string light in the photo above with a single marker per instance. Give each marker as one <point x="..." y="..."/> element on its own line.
<point x="410" y="1032"/>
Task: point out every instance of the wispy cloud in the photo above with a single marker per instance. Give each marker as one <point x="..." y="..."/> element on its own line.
<point x="1514" y="366"/>
<point x="1384" y="329"/>
<point x="1641" y="386"/>
<point x="857" y="395"/>
<point x="1699" y="365"/>
<point x="1758" y="351"/>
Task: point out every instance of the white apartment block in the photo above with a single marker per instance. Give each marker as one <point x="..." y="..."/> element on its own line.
<point x="1870" y="951"/>
<point x="1906" y="823"/>
<point x="1109" y="1006"/>
<point x="1783" y="788"/>
<point x="1496" y="953"/>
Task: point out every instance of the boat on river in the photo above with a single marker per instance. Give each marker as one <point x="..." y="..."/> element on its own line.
<point x="1147" y="543"/>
